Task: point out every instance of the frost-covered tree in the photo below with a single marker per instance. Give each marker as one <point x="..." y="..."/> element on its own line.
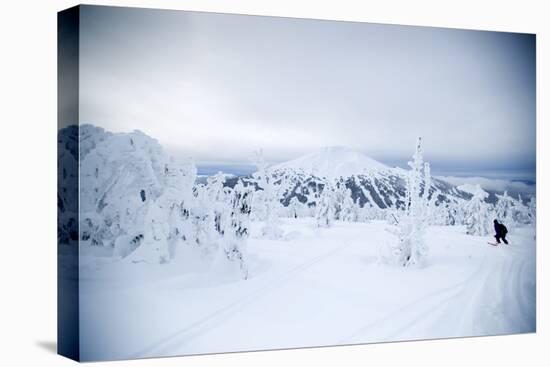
<point x="326" y="205"/>
<point x="532" y="209"/>
<point x="67" y="185"/>
<point x="156" y="231"/>
<point x="313" y="197"/>
<point x="269" y="198"/>
<point x="478" y="220"/>
<point x="220" y="220"/>
<point x="166" y="224"/>
<point x="218" y="203"/>
<point x="374" y="212"/>
<point x="455" y="212"/>
<point x="144" y="205"/>
<point x="294" y="208"/>
<point x="200" y="218"/>
<point x="348" y="211"/>
<point x="120" y="179"/>
<point x="344" y="204"/>
<point x="237" y="229"/>
<point x="521" y="212"/>
<point x="411" y="248"/>
<point x="241" y="208"/>
<point x="355" y="209"/>
<point x="440" y="214"/>
<point x="368" y="211"/>
<point x="504" y="210"/>
<point x="178" y="192"/>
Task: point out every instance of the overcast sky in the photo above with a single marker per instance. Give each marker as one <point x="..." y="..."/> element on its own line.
<point x="217" y="87"/>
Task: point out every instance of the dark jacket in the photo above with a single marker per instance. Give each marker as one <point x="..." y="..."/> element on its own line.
<point x="500" y="229"/>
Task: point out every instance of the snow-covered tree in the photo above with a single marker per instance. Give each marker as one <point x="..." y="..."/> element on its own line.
<point x="344" y="204"/>
<point x="237" y="229"/>
<point x="177" y="195"/>
<point x="411" y="248"/>
<point x="200" y="230"/>
<point x="478" y="221"/>
<point x="144" y="205"/>
<point x="220" y="220"/>
<point x="67" y="185"/>
<point x="455" y="212"/>
<point x="120" y="179"/>
<point x="313" y="197"/>
<point x="521" y="212"/>
<point x="218" y="203"/>
<point x="504" y="210"/>
<point x="157" y="232"/>
<point x="440" y="214"/>
<point x="166" y="224"/>
<point x="270" y="201"/>
<point x="532" y="209"/>
<point x="241" y="208"/>
<point x="294" y="208"/>
<point x="326" y="205"/>
<point x="355" y="210"/>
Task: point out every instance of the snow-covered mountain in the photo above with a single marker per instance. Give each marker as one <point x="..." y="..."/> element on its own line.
<point x="370" y="181"/>
<point x="334" y="162"/>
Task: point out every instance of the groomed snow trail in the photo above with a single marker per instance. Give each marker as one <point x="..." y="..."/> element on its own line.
<point x="217" y="318"/>
<point x="497" y="298"/>
<point x="320" y="287"/>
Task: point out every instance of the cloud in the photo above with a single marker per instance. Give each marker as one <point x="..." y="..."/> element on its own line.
<point x="489" y="184"/>
<point x="219" y="86"/>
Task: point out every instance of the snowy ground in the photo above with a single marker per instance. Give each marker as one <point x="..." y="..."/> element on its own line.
<point x="319" y="287"/>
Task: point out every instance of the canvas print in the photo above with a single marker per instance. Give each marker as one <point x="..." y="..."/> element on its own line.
<point x="235" y="183"/>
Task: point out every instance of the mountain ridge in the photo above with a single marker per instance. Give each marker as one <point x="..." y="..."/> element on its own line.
<point x="333" y="162"/>
<point x="370" y="182"/>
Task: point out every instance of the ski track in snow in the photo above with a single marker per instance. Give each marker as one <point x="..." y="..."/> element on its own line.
<point x="381" y="330"/>
<point x="215" y="319"/>
<point x="469" y="289"/>
<point x="517" y="307"/>
<point x="496" y="294"/>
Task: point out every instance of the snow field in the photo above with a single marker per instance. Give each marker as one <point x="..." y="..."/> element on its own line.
<point x="317" y="286"/>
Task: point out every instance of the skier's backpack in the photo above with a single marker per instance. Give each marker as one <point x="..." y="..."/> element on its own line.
<point x="504" y="229"/>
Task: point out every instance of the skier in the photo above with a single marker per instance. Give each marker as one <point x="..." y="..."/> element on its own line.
<point x="501" y="231"/>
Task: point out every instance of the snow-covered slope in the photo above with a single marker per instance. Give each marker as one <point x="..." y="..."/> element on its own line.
<point x="334" y="162"/>
<point x="325" y="288"/>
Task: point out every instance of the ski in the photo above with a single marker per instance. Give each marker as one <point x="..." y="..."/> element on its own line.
<point x="492" y="244"/>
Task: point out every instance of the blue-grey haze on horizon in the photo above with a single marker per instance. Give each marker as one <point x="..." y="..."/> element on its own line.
<point x="524" y="175"/>
<point x="217" y="87"/>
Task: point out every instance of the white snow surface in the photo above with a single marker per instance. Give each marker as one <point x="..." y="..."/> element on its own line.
<point x="319" y="286"/>
<point x="333" y="162"/>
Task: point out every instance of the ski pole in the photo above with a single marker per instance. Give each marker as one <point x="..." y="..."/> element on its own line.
<point x="394" y="218"/>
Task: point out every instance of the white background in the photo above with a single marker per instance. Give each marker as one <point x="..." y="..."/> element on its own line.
<point x="28" y="182"/>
